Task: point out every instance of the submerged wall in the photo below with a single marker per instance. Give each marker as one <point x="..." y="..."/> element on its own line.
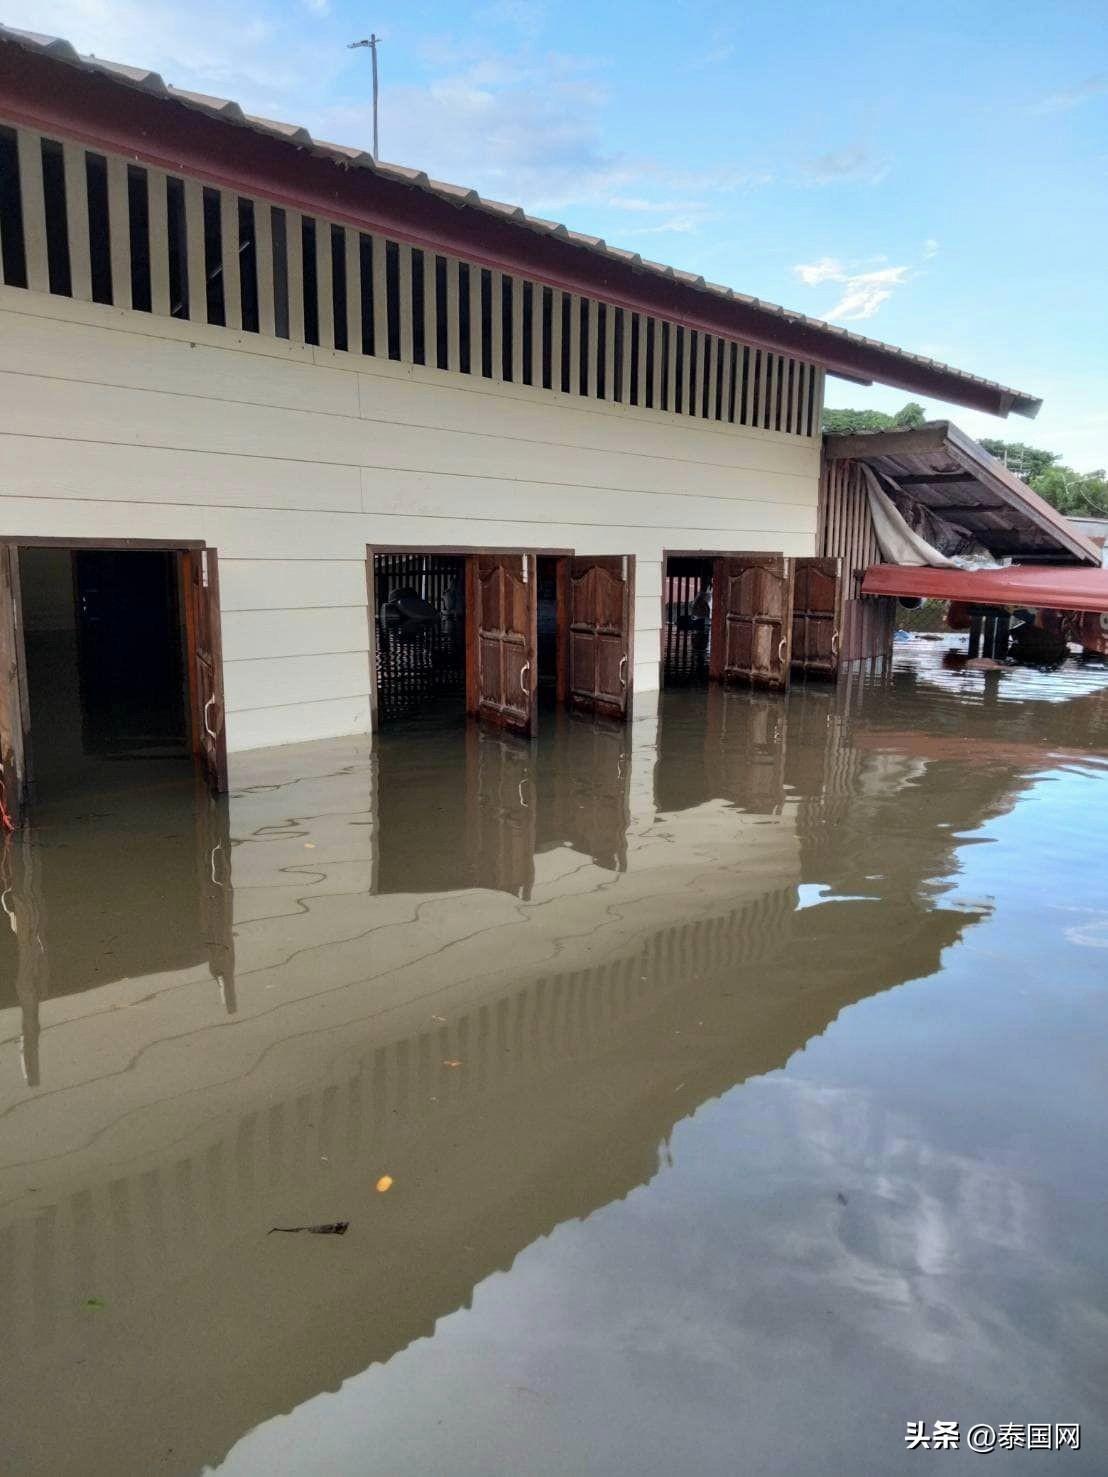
<point x="290" y="459"/>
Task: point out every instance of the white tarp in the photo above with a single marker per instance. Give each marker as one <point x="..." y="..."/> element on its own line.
<point x="901" y="544"/>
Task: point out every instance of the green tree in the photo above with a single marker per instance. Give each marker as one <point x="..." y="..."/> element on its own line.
<point x="1026" y="461"/>
<point x="873" y="420"/>
<point x="1083" y="494"/>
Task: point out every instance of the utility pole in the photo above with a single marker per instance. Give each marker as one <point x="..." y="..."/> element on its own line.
<point x="372" y="43"/>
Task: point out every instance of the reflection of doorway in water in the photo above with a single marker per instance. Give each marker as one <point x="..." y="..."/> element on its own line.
<point x="687" y="632"/>
<point x="420" y="613"/>
<point x="104" y="896"/>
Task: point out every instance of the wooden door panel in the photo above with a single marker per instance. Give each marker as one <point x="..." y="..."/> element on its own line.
<point x="505" y="640"/>
<point x="601" y="634"/>
<point x="611" y="670"/>
<point x="206" y="656"/>
<point x="752" y="620"/>
<point x="14" y="717"/>
<point x="816" y="616"/>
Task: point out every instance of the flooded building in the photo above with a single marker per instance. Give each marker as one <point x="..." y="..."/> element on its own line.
<point x="296" y="442"/>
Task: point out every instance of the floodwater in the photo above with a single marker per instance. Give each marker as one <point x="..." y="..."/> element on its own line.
<point x="741" y="1078"/>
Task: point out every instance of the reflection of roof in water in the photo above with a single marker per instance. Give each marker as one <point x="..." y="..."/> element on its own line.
<point x="571" y="1085"/>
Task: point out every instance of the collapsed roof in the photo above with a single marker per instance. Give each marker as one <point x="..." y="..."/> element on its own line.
<point x="133" y="110"/>
<point x="952" y="475"/>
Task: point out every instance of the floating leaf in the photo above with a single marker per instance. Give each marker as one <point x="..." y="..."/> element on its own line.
<point x="384" y="1183"/>
<point x="94" y="1303"/>
<point x="453" y="1062"/>
<point x="329" y="1228"/>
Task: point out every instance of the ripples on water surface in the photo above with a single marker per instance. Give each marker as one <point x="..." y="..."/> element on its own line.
<point x="741" y="1077"/>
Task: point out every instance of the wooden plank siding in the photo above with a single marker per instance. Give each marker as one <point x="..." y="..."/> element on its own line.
<point x="845" y="531"/>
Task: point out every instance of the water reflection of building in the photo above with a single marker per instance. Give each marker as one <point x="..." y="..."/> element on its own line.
<point x="115" y="893"/>
<point x="602" y="959"/>
<point x="517" y="801"/>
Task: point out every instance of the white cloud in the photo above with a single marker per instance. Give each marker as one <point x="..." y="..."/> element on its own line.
<point x="318" y="7"/>
<point x="930" y="248"/>
<point x="677" y="225"/>
<point x="248" y="52"/>
<point x="862" y="292"/>
<point x="846" y="166"/>
<point x="529" y="129"/>
<point x="1072" y="97"/>
<point x="827" y="269"/>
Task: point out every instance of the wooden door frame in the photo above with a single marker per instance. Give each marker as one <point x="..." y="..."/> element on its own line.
<point x="468" y="552"/>
<point x="713" y="556"/>
<point x="181" y="549"/>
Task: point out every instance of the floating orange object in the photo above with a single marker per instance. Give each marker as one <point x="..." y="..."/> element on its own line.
<point x="384" y="1183"/>
<point x="453" y="1062"/>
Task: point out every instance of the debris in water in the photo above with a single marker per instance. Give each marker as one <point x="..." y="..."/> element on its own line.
<point x="452" y="1062"/>
<point x="94" y="1303"/>
<point x="384" y="1183"/>
<point x="330" y="1228"/>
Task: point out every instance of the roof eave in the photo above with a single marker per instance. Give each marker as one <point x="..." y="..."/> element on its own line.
<point x="702" y="304"/>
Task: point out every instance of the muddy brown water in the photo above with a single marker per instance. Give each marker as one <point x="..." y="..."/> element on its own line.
<point x="740" y="1077"/>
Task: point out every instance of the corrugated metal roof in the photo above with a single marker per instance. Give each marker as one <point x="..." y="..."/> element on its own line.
<point x="230" y="112"/>
<point x="953" y="475"/>
<point x="1035" y="585"/>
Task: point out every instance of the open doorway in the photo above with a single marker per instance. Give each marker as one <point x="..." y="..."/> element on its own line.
<point x="113" y="657"/>
<point x="105" y="650"/>
<point x="552" y="629"/>
<point x="728" y="618"/>
<point x="419" y="603"/>
<point x="495" y="633"/>
<point x="687" y="633"/>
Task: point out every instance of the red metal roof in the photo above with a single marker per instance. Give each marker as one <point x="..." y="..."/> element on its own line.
<point x="1041" y="587"/>
<point x="131" y="109"/>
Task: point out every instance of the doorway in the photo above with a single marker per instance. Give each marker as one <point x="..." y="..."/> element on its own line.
<point x="687" y="632"/>
<point x="419" y="604"/>
<point x="727" y="618"/>
<point x="112" y="659"/>
<point x="105" y="649"/>
<point x="495" y="634"/>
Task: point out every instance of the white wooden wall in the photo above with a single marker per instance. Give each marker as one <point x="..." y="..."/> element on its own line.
<point x="291" y="459"/>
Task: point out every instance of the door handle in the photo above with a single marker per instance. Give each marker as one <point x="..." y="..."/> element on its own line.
<point x="213" y="733"/>
<point x="782" y="647"/>
<point x="834" y="643"/>
<point x="623" y="671"/>
<point x="523" y="671"/>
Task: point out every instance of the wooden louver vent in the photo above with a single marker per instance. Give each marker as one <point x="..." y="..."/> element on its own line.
<point x="98" y="228"/>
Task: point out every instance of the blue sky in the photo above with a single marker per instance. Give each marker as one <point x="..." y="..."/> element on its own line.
<point x="935" y="176"/>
